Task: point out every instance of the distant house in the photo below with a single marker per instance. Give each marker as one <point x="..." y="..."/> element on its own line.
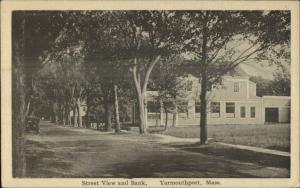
<point x="234" y="102"/>
<point x="83" y="109"/>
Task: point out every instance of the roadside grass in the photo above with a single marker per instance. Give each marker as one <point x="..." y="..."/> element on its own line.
<point x="271" y="136"/>
<point x="40" y="155"/>
<point x="238" y="154"/>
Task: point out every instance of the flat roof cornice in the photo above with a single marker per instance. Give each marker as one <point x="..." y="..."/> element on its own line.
<point x="276" y="97"/>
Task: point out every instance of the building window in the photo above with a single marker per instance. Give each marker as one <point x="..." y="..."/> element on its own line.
<point x="236" y="87"/>
<point x="215" y="107"/>
<point x="252" y="110"/>
<point x="197" y="107"/>
<point x="230" y="108"/>
<point x="243" y="111"/>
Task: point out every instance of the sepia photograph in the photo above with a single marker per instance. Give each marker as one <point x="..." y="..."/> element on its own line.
<point x="186" y="97"/>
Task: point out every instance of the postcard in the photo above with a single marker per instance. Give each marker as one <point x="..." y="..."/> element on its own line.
<point x="150" y="93"/>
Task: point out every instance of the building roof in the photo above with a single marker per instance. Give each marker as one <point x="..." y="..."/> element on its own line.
<point x="263" y="69"/>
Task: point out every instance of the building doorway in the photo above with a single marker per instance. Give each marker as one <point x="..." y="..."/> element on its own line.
<point x="271" y="115"/>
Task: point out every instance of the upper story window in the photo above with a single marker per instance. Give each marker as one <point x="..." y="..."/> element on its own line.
<point x="236" y="87"/>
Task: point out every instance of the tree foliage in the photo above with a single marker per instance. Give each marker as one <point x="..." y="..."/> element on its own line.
<point x="218" y="41"/>
<point x="279" y="86"/>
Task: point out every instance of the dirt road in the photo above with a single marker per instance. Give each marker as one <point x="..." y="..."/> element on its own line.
<point x="74" y="152"/>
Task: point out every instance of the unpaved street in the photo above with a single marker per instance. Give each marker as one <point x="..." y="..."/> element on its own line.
<point x="76" y="152"/>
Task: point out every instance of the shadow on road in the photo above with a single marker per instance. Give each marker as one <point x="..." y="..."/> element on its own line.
<point x="66" y="152"/>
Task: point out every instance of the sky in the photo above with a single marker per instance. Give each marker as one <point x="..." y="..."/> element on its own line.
<point x="262" y="68"/>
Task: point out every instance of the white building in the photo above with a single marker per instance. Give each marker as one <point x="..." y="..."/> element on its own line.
<point x="235" y="102"/>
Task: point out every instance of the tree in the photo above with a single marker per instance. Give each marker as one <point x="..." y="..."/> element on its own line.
<point x="262" y="85"/>
<point x="147" y="37"/>
<point x="39" y="37"/>
<point x="63" y="81"/>
<point x="98" y="32"/>
<point x="18" y="102"/>
<point x="30" y="39"/>
<point x="165" y="79"/>
<point x="281" y="85"/>
<point x="117" y="114"/>
<point x="218" y="41"/>
<point x="137" y="39"/>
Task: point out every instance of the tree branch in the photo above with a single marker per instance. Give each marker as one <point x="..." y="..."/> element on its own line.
<point x="136" y="81"/>
<point x="246" y="51"/>
<point x="218" y="50"/>
<point x="148" y="72"/>
<point x="242" y="59"/>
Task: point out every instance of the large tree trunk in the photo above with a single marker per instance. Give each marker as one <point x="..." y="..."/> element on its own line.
<point x="78" y="104"/>
<point x="69" y="119"/>
<point x="18" y="97"/>
<point x="67" y="116"/>
<point x="75" y="116"/>
<point x="203" y="114"/>
<point x="166" y="120"/>
<point x="54" y="112"/>
<point x="140" y="101"/>
<point x="63" y="116"/>
<point x="87" y="111"/>
<point x="56" y="117"/>
<point x="133" y="114"/>
<point x="161" y="113"/>
<point x="18" y="122"/>
<point x="203" y="120"/>
<point x="117" y="115"/>
<point x="141" y="113"/>
<point x="87" y="120"/>
<point x="108" y="114"/>
<point x="141" y="89"/>
<point x="174" y="123"/>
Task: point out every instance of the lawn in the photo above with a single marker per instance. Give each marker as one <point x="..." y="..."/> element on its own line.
<point x="272" y="136"/>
